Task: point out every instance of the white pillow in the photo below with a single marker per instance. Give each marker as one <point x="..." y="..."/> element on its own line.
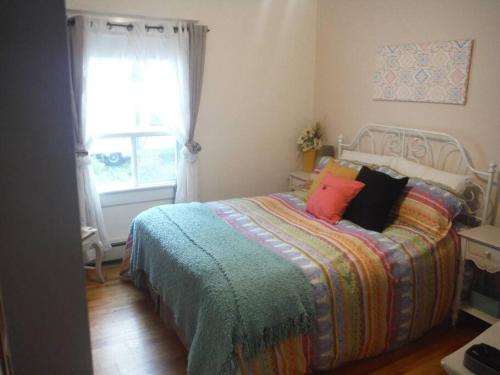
<point x="408" y="168"/>
<point x="455" y="182"/>
<point x="366" y="158"/>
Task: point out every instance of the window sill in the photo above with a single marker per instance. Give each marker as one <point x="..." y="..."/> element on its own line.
<point x="164" y="193"/>
<point x="170" y="184"/>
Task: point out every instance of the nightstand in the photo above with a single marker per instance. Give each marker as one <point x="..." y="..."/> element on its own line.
<point x="480" y="245"/>
<point x="297" y="179"/>
<point x="90" y="241"/>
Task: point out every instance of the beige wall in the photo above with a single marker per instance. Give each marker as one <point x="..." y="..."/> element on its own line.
<point x="258" y="89"/>
<point x="349" y="31"/>
<point x="269" y="62"/>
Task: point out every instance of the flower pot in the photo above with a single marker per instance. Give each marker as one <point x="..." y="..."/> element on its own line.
<point x="309" y="160"/>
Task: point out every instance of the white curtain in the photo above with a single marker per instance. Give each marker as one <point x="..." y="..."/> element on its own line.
<point x="88" y="197"/>
<point x="187" y="175"/>
<point x="171" y="64"/>
<point x="183" y="46"/>
<point x="173" y="45"/>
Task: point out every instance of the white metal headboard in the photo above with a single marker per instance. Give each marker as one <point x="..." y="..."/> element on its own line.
<point x="435" y="149"/>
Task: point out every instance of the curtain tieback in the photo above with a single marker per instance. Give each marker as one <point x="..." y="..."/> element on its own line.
<point x="193" y="147"/>
<point x="80" y="150"/>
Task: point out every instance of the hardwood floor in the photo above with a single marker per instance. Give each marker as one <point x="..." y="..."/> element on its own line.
<point x="129" y="338"/>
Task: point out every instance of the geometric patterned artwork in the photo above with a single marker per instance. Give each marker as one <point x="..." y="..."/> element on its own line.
<point x="436" y="72"/>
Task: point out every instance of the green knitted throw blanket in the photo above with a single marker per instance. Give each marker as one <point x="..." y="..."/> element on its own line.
<point x="226" y="291"/>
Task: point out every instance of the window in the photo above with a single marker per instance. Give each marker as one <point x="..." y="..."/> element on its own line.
<point x="130" y="107"/>
<point x="134" y="160"/>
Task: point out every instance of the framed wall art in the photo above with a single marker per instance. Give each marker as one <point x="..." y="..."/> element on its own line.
<point x="435" y="72"/>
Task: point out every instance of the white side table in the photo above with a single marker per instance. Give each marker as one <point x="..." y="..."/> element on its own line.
<point x="90" y="240"/>
<point x="297" y="179"/>
<point x="453" y="364"/>
<point x="480" y="245"/>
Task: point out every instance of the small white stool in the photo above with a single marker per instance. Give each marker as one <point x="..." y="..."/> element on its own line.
<point x="90" y="240"/>
<point x="454" y="363"/>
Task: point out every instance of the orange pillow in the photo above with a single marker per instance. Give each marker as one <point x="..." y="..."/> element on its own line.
<point x="332" y="197"/>
<point x="336" y="170"/>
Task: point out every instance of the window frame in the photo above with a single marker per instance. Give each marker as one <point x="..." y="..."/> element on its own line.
<point x="133" y="135"/>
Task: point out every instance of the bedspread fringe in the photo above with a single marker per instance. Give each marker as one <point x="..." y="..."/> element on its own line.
<point x="249" y="348"/>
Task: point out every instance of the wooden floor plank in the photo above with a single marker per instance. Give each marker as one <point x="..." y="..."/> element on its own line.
<point x="129" y="338"/>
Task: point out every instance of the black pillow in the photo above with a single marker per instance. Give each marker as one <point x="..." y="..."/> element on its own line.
<point x="370" y="208"/>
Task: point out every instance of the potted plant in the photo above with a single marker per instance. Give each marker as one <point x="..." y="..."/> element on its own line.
<point x="309" y="143"/>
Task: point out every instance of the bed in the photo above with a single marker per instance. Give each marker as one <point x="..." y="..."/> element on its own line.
<point x="259" y="286"/>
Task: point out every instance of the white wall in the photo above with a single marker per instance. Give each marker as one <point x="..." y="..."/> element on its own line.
<point x="349" y="33"/>
<point x="258" y="88"/>
<point x="263" y="69"/>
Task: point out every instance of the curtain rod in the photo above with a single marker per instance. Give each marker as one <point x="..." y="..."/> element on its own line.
<point x="123" y="18"/>
<point x="130" y="27"/>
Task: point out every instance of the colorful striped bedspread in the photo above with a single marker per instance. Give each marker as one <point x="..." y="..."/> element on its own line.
<point x="373" y="291"/>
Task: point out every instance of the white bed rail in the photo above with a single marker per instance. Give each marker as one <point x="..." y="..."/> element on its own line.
<point x="437" y="150"/>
